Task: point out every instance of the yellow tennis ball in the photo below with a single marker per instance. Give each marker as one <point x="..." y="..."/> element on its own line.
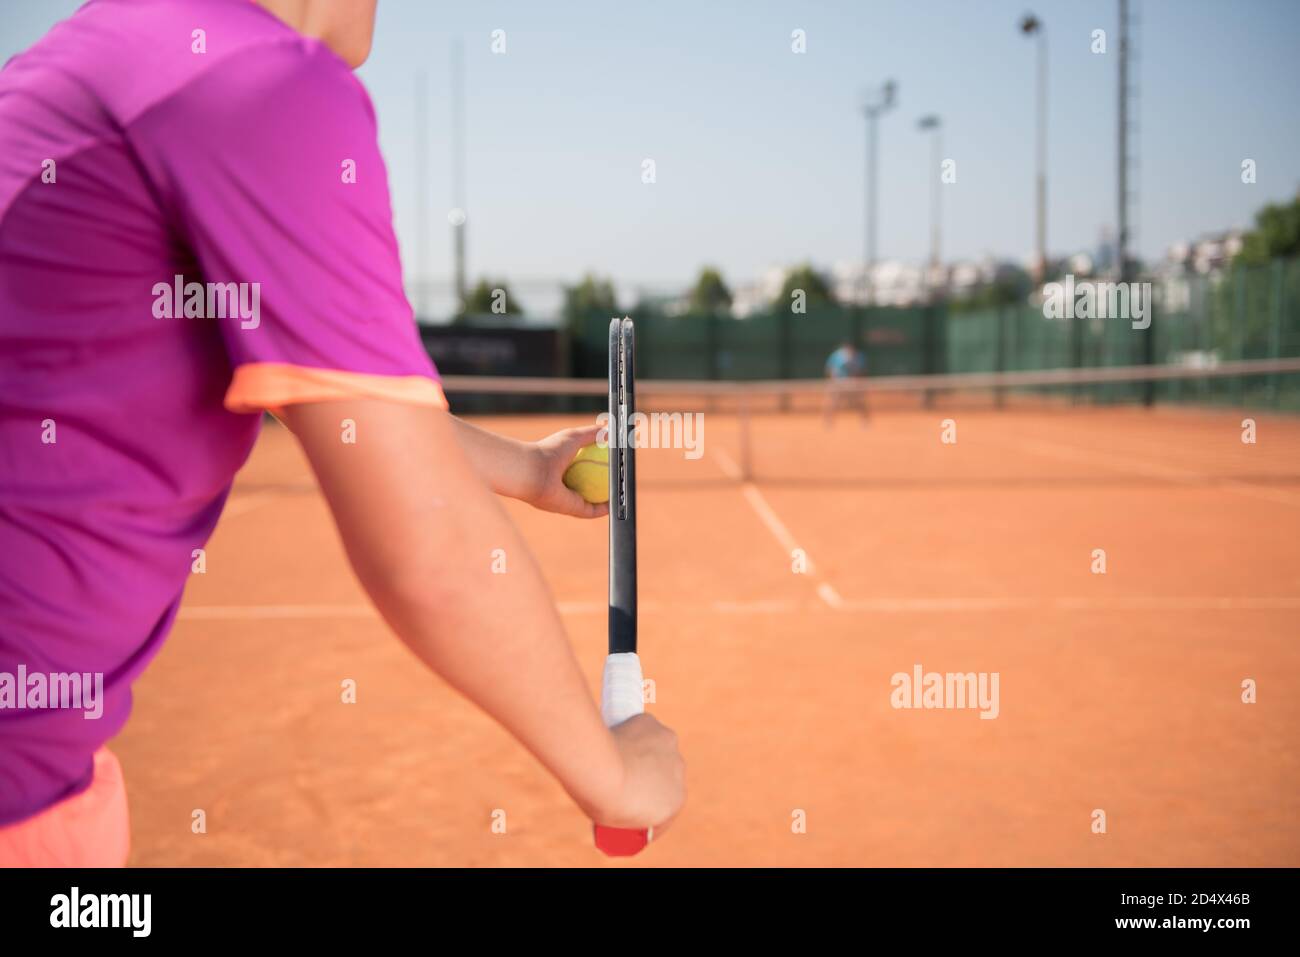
<point x="588" y="473"/>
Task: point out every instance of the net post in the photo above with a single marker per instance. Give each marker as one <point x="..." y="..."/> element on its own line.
<point x="1238" y="329"/>
<point x="928" y="351"/>
<point x="785" y="359"/>
<point x="1076" y="354"/>
<point x="1000" y="360"/>
<point x="1275" y="327"/>
<point x="712" y="338"/>
<point x="742" y="416"/>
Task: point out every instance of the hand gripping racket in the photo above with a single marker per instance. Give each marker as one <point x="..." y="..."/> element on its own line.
<point x="620" y="696"/>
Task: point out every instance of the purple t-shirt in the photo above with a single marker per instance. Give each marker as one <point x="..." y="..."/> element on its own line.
<point x="142" y="140"/>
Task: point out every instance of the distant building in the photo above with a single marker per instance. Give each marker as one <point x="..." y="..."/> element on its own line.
<point x="1186" y="261"/>
<point x="1208" y="254"/>
<point x="893" y="283"/>
<point x="759" y="295"/>
<point x="1081" y="264"/>
<point x="967" y="278"/>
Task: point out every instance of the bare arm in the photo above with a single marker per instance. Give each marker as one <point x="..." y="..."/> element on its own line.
<point x="530" y="471"/>
<point x="420" y="526"/>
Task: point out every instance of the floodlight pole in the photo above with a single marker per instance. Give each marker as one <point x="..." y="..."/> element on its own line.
<point x="933" y="124"/>
<point x="420" y="279"/>
<point x="1032" y="26"/>
<point x="458" y="173"/>
<point x="874" y="104"/>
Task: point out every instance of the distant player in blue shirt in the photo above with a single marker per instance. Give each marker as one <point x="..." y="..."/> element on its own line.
<point x="843" y="366"/>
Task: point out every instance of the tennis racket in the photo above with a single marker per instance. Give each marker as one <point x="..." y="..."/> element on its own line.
<point x="621" y="696"/>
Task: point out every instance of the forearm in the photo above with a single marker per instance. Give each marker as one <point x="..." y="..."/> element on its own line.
<point x="498" y="640"/>
<point x="505" y="464"/>
<point x="423" y="550"/>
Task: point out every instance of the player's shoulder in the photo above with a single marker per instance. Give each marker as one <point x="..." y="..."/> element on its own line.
<point x="131" y="55"/>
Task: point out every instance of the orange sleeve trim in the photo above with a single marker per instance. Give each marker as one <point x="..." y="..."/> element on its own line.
<point x="273" y="385"/>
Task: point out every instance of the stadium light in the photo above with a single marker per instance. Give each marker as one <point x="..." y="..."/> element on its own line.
<point x="874" y="103"/>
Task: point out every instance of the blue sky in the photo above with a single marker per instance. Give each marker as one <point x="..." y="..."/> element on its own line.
<point x="760" y="151"/>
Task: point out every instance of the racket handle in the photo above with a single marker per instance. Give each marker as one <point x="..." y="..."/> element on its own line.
<point x="621" y="698"/>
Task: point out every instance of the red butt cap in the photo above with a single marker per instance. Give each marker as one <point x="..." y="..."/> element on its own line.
<point x="620" y="842"/>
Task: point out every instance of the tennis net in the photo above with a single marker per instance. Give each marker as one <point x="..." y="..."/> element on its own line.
<point x="750" y="410"/>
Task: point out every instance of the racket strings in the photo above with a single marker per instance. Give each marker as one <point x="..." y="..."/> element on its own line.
<point x="623" y="424"/>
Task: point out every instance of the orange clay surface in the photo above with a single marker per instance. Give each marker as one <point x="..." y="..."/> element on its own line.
<point x="1120" y="692"/>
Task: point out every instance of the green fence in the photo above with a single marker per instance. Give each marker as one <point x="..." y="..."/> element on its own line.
<point x="767" y="345"/>
<point x="1251" y="313"/>
<point x="1243" y="313"/>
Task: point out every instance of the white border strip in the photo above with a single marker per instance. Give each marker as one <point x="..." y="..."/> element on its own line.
<point x="889" y="606"/>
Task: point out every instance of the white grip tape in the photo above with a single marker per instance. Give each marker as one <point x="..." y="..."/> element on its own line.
<point x="620" y="694"/>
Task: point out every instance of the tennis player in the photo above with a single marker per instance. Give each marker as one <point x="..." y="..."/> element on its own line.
<point x="226" y="142"/>
<point x="843" y="366"/>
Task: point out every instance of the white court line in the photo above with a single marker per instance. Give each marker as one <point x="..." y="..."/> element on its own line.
<point x="589" y="607"/>
<point x="258" y="612"/>
<point x="1124" y="463"/>
<point x="728" y="466"/>
<point x="239" y="502"/>
<point x="929" y="605"/>
<point x="246" y="503"/>
<point x="1190" y="603"/>
<point x="825" y="590"/>
<point x="761" y="607"/>
<point x="913" y="606"/>
<point x="1258" y="491"/>
<point x="830" y="595"/>
<point x="1134" y="603"/>
<point x="772" y="520"/>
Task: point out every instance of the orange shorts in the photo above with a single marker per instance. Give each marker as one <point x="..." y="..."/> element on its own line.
<point x="90" y="829"/>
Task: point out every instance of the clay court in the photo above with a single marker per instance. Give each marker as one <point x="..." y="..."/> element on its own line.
<point x="1119" y="691"/>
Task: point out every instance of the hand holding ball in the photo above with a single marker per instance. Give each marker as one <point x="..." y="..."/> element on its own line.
<point x="588" y="473"/>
